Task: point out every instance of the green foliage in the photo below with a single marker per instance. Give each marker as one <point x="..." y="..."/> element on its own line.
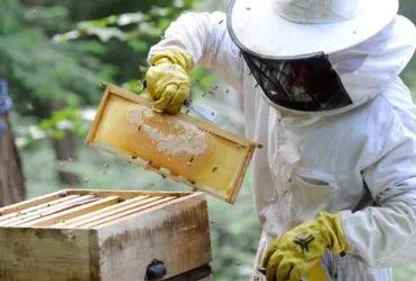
<point x="9" y="16"/>
<point x="38" y="69"/>
<point x="62" y="121"/>
<point x="127" y="31"/>
<point x="50" y="19"/>
<point x="132" y="32"/>
<point x="29" y="66"/>
<point x="235" y="232"/>
<point x="408" y="8"/>
<point x="42" y="60"/>
<point x="405" y="273"/>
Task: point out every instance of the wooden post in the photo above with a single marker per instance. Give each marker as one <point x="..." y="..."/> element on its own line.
<point x="65" y="149"/>
<point x="12" y="184"/>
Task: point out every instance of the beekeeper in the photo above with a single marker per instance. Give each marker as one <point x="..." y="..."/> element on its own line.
<point x="335" y="184"/>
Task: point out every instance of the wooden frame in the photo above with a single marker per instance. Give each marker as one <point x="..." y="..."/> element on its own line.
<point x="107" y="236"/>
<point x="220" y="170"/>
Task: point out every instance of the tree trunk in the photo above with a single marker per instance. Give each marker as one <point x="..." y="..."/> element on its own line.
<point x="65" y="150"/>
<point x="12" y="183"/>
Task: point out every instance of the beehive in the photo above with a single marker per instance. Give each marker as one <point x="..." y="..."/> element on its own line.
<point x="103" y="235"/>
<point x="182" y="147"/>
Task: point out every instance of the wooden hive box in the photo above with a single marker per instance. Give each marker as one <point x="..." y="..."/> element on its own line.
<point x="182" y="147"/>
<point x="77" y="235"/>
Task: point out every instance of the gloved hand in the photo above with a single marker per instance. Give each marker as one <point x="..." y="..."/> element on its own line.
<point x="168" y="81"/>
<point x="291" y="256"/>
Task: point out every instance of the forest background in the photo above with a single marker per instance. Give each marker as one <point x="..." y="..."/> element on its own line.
<point x="53" y="55"/>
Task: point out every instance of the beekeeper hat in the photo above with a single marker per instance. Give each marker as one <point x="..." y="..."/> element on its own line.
<point x="297" y="28"/>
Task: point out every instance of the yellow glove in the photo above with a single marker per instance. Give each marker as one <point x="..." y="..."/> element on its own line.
<point x="168" y="81"/>
<point x="291" y="256"/>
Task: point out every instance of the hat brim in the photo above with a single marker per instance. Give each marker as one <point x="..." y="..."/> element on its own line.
<point x="256" y="27"/>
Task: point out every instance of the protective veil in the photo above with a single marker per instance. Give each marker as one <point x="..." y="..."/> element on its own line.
<point x="329" y="84"/>
<point x="359" y="159"/>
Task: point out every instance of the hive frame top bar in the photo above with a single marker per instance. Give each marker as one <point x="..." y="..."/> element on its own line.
<point x="208" y="126"/>
<point x="238" y="147"/>
<point x="84" y="209"/>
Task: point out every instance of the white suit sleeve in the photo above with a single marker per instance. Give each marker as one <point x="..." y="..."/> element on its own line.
<point x="385" y="235"/>
<point x="205" y="37"/>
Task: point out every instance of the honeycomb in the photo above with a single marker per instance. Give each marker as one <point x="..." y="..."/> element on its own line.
<point x="178" y="146"/>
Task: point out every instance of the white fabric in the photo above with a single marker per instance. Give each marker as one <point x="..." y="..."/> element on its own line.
<point x="365" y="69"/>
<point x="361" y="162"/>
<point x="268" y="27"/>
<point x="318" y="11"/>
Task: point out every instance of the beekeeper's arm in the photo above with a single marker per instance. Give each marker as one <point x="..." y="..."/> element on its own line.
<point x="194" y="39"/>
<point x="381" y="236"/>
<point x="385" y="236"/>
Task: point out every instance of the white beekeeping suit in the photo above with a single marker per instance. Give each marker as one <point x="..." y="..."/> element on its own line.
<point x="358" y="159"/>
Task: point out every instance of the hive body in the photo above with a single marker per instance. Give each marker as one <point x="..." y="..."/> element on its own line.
<point x="103" y="235"/>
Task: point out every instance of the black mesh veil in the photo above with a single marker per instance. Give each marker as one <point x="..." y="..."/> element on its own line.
<point x="307" y="84"/>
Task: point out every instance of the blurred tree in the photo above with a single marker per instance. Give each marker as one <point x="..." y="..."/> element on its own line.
<point x="44" y="76"/>
<point x="12" y="184"/>
<point x="125" y="28"/>
<point x="408" y="9"/>
<point x="47" y="77"/>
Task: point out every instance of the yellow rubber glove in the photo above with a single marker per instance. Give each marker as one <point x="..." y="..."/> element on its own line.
<point x="168" y="81"/>
<point x="291" y="256"/>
